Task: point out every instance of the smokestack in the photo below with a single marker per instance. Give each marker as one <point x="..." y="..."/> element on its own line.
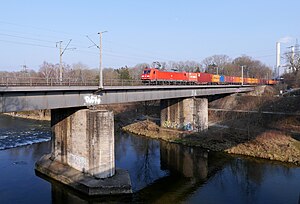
<point x="278" y="54"/>
<point x="278" y="57"/>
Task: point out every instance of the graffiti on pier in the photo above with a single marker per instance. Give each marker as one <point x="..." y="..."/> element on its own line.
<point x="92" y="100"/>
<point x="188" y="127"/>
<point x="174" y="125"/>
<point x="169" y="124"/>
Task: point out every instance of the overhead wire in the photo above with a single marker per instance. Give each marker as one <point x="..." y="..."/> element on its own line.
<point x="107" y="53"/>
<point x="21" y="37"/>
<point x="147" y="55"/>
<point x="36" y="28"/>
<point x="81" y="46"/>
<point x="31" y="44"/>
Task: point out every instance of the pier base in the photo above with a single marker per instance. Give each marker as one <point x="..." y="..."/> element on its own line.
<point x="83" y="154"/>
<point x="118" y="184"/>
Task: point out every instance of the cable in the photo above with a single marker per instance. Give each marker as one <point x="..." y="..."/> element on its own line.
<point x="146" y="55"/>
<point x="15" y="36"/>
<point x="22" y="43"/>
<point x="34" y="27"/>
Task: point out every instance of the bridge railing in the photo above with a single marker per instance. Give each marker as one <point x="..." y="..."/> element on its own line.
<point x="121" y="82"/>
<point x="40" y="81"/>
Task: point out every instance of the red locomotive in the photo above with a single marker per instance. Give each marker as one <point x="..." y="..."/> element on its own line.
<point x="156" y="76"/>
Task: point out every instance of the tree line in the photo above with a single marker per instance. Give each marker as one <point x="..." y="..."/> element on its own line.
<point x="216" y="64"/>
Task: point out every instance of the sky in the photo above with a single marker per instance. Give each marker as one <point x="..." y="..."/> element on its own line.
<point x="141" y="31"/>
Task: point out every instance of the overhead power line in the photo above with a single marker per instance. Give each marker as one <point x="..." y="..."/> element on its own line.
<point x="35" y="27"/>
<point x="23" y="43"/>
<point x="35" y="39"/>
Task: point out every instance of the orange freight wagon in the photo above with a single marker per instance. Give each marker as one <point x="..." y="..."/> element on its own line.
<point x="215" y="79"/>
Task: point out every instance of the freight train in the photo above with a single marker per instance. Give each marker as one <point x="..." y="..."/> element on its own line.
<point x="156" y="76"/>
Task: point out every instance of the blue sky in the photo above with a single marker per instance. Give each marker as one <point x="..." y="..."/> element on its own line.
<point x="143" y="31"/>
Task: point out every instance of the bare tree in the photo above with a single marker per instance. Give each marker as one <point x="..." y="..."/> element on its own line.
<point x="110" y="74"/>
<point x="137" y="70"/>
<point x="79" y="72"/>
<point x="293" y="60"/>
<point x="47" y="71"/>
<point x="216" y="63"/>
<point x="188" y="66"/>
<point x="252" y="68"/>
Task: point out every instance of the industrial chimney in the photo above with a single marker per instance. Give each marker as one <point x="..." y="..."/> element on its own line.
<point x="277" y="57"/>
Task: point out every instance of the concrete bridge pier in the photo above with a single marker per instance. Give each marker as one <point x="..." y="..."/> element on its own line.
<point x="83" y="154"/>
<point x="188" y="114"/>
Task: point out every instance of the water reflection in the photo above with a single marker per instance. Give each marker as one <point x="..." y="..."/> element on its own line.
<point x="251" y="181"/>
<point x="188" y="161"/>
<point x="160" y="173"/>
<point x="189" y="170"/>
<point x="237" y="181"/>
<point x="141" y="157"/>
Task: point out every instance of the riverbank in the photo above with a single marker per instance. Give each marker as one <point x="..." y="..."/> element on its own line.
<point x="43" y="115"/>
<point x="267" y="144"/>
<point x="268" y="136"/>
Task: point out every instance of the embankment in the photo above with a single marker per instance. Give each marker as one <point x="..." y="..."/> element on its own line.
<point x="268" y="136"/>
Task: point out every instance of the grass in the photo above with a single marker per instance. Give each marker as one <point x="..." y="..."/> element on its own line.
<point x="297" y="145"/>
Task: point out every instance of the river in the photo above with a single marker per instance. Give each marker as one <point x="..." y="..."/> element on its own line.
<point x="160" y="172"/>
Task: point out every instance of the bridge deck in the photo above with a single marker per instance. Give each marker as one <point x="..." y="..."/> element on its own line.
<point x="52" y="97"/>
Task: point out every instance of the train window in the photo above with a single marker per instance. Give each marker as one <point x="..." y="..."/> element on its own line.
<point x="146" y="71"/>
<point x="154" y="72"/>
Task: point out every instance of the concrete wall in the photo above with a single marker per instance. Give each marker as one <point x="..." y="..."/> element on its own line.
<point x="84" y="140"/>
<point x="201" y="114"/>
<point x="188" y="114"/>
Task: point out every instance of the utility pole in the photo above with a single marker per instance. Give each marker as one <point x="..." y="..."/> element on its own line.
<point x="100" y="58"/>
<point x="100" y="62"/>
<point x="24" y="69"/>
<point x="60" y="61"/>
<point x="61" y="52"/>
<point x="293" y="58"/>
<point x="242" y="75"/>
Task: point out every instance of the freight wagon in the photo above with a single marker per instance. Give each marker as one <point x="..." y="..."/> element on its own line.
<point x="156" y="76"/>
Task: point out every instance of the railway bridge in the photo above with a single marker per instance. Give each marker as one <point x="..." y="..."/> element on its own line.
<point x="83" y="137"/>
